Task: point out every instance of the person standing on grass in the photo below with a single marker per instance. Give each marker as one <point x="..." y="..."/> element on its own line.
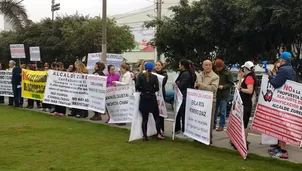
<point x="1" y="97"/>
<point x="148" y="85"/>
<point x="183" y="82"/>
<point x="16" y="82"/>
<point x="81" y="68"/>
<point x="11" y="66"/>
<point x="223" y="92"/>
<point x="285" y="72"/>
<point x="207" y="80"/>
<point x="246" y="87"/>
<point x="60" y="110"/>
<point x="111" y="77"/>
<point x="98" y="70"/>
<point x="46" y="107"/>
<point x="159" y="70"/>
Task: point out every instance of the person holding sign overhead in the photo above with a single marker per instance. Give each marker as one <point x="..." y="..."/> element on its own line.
<point x="148" y="85"/>
<point x="208" y="80"/>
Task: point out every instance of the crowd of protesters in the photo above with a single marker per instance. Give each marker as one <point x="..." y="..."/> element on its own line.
<point x="214" y="77"/>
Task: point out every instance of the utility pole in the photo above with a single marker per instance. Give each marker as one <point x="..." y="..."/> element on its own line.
<point x="104" y="31"/>
<point x="54" y="7"/>
<point x="158" y="8"/>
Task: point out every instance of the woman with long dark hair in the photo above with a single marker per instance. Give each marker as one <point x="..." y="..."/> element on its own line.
<point x="148" y="85"/>
<point x="98" y="70"/>
<point x="247" y="89"/>
<point x="183" y="82"/>
<point x="159" y="70"/>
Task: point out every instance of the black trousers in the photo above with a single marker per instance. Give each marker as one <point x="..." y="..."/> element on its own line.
<point x="11" y="101"/>
<point x="1" y="99"/>
<point x="17" y="94"/>
<point x="45" y="106"/>
<point x="145" y="122"/>
<point x="30" y="102"/>
<point x="60" y="109"/>
<point x="181" y="115"/>
<point x="162" y="123"/>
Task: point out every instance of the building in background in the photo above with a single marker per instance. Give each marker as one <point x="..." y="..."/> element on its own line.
<point x="4" y="25"/>
<point x="135" y="20"/>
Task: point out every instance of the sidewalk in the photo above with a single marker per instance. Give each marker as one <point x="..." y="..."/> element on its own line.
<point x="220" y="139"/>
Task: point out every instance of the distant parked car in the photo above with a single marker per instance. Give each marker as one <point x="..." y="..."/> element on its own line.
<point x="169" y="98"/>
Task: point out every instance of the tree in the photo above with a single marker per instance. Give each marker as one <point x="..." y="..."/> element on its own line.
<point x="14" y="12"/>
<point x="67" y="38"/>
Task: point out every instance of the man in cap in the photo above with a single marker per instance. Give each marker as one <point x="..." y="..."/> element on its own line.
<point x="223" y="92"/>
<point x="285" y="72"/>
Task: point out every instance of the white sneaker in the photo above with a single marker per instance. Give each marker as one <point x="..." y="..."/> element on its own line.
<point x="47" y="110"/>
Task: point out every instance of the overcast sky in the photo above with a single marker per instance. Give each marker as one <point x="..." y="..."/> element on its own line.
<point x="38" y="9"/>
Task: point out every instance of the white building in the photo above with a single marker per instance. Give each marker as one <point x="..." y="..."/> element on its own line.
<point x="135" y="21"/>
<point x="4" y="25"/>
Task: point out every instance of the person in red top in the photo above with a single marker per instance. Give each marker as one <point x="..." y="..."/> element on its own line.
<point x="246" y="88"/>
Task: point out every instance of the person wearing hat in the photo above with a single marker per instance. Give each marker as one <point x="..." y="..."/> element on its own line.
<point x="148" y="85"/>
<point x="246" y="88"/>
<point x="223" y="92"/>
<point x="285" y="72"/>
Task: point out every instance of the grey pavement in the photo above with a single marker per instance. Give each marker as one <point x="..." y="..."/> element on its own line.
<point x="220" y="139"/>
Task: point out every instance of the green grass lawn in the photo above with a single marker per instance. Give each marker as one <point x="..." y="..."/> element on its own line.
<point x="31" y="141"/>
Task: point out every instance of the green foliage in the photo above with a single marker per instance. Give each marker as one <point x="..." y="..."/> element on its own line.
<point x="67" y="38"/>
<point x="235" y="30"/>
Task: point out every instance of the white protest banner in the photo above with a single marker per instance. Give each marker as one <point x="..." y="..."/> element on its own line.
<point x="6" y="83"/>
<point x="279" y="112"/>
<point x="66" y="89"/>
<point x="34" y="54"/>
<point x="136" y="132"/>
<point x="235" y="128"/>
<point x="92" y="59"/>
<point x="117" y="103"/>
<point x="97" y="93"/>
<point x="268" y="140"/>
<point x="178" y="98"/>
<point x="17" y="51"/>
<point x="160" y="97"/>
<point x="198" y="115"/>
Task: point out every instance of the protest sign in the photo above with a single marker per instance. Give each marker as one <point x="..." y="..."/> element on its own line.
<point x="235" y="128"/>
<point x="34" y="54"/>
<point x="136" y="132"/>
<point x="6" y="83"/>
<point x="117" y="103"/>
<point x="178" y="98"/>
<point x="279" y="112"/>
<point x="66" y="89"/>
<point x="198" y="115"/>
<point x="111" y="59"/>
<point x="33" y="84"/>
<point x="97" y="93"/>
<point x="17" y="51"/>
<point x="160" y="97"/>
<point x="92" y="59"/>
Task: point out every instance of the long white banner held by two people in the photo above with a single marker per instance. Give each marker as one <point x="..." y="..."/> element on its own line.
<point x="235" y="129"/>
<point x="71" y="90"/>
<point x="6" y="83"/>
<point x="117" y="103"/>
<point x="160" y="97"/>
<point x="279" y="112"/>
<point x="198" y="115"/>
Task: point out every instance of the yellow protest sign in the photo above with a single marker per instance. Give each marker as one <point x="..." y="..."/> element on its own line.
<point x="33" y="84"/>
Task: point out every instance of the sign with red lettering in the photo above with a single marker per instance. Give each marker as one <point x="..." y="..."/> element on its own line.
<point x="160" y="98"/>
<point x="17" y="51"/>
<point x="279" y="112"/>
<point x="235" y="129"/>
<point x="198" y="115"/>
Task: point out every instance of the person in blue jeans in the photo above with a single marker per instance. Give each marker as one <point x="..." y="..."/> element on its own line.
<point x="223" y="92"/>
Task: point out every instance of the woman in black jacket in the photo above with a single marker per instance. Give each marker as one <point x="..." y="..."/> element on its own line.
<point x="148" y="85"/>
<point x="159" y="70"/>
<point x="98" y="70"/>
<point x="183" y="82"/>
